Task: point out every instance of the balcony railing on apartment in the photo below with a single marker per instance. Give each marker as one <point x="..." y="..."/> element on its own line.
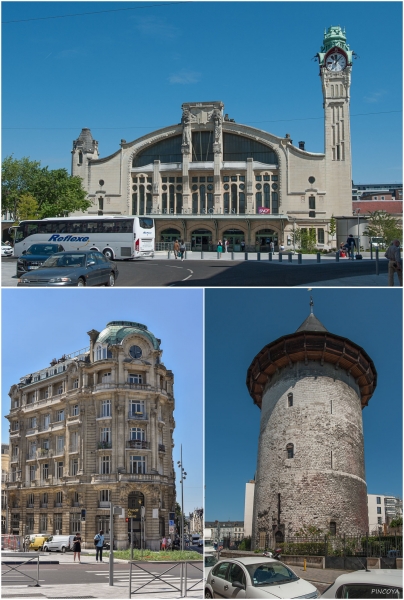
<point x="104" y="445"/>
<point x="138" y="444"/>
<point x="141" y="416"/>
<point x="162" y="448"/>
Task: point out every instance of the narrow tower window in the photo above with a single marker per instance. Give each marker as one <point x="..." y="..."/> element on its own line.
<point x="333" y="528"/>
<point x="290" y="399"/>
<point x="290" y="450"/>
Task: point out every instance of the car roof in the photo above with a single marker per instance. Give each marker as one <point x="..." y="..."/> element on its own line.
<point x="372" y="576"/>
<point x="77" y="252"/>
<point x="251" y="560"/>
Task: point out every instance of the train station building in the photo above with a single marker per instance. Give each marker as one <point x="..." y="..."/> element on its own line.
<point x="210" y="177"/>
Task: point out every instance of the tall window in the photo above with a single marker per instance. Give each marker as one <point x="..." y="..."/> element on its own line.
<point x="76" y="499"/>
<point x="333" y="528"/>
<point x="104" y="495"/>
<point x="75" y="523"/>
<point x="46" y="421"/>
<point x="30" y="501"/>
<point x="60" y="415"/>
<point x="106" y="378"/>
<point x="59" y="469"/>
<point x="43" y="523"/>
<point x="290" y="450"/>
<point x="59" y="499"/>
<point x="105" y="465"/>
<point x="74" y="466"/>
<point x="105" y="434"/>
<point x="74" y="441"/>
<point x="106" y="408"/>
<point x="45" y="471"/>
<point x="135" y="378"/>
<point x="378" y="500"/>
<point x="44" y="500"/>
<point x="136" y="433"/>
<point x="57" y="523"/>
<point x="290" y="399"/>
<point x="75" y="410"/>
<point x="30" y="523"/>
<point x="60" y="444"/>
<point x="75" y="384"/>
<point x="137" y="407"/>
<point x="320" y="236"/>
<point x="138" y="464"/>
<point x="32" y="472"/>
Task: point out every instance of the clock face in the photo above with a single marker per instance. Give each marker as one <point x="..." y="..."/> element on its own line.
<point x="135" y="351"/>
<point x="335" y="62"/>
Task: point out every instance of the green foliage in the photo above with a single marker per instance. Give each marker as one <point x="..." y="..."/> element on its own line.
<point x="332" y="228"/>
<point x="382" y="224"/>
<point x="308" y="531"/>
<point x="55" y="192"/>
<point x="397" y="522"/>
<point x="245" y="544"/>
<point x="303" y="548"/>
<point x="149" y="555"/>
<point x="27" y="207"/>
<point x="305" y="238"/>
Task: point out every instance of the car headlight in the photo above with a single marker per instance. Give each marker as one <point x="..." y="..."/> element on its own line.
<point x="23" y="281"/>
<point x="20" y="260"/>
<point x="60" y="280"/>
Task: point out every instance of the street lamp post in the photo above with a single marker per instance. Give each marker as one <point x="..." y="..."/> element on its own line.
<point x="183" y="477"/>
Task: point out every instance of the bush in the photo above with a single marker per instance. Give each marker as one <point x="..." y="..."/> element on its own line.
<point x="245" y="544"/>
<point x="303" y="548"/>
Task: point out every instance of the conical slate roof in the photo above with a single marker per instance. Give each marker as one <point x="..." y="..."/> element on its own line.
<point x="116" y="331"/>
<point x="311" y="324"/>
<point x="85" y="140"/>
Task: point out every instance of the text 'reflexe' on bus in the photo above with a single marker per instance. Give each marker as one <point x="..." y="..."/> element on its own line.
<point x="117" y="237"/>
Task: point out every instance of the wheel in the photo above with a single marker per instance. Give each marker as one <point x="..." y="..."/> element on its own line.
<point x="81" y="282"/>
<point x="208" y="594"/>
<point x="63" y="549"/>
<point x="111" y="280"/>
<point x="108" y="253"/>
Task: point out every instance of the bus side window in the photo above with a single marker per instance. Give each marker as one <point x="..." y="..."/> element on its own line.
<point x="60" y="227"/>
<point x="74" y="227"/>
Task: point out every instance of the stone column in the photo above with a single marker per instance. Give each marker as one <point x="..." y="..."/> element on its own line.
<point x="217" y="151"/>
<point x="250" y="186"/>
<point x="156" y="187"/>
<point x="186" y="149"/>
<point x="153" y="440"/>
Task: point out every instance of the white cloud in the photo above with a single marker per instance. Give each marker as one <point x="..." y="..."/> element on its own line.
<point x="184" y="77"/>
<point x="155" y="27"/>
<point x="375" y="97"/>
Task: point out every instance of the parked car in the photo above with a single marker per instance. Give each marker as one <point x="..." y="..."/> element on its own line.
<point x="256" y="577"/>
<point x="58" y="543"/>
<point x="210" y="559"/>
<point x="6" y="250"/>
<point x="394" y="553"/>
<point x="371" y="583"/>
<point x="33" y="257"/>
<point x="37" y="541"/>
<point x="77" y="268"/>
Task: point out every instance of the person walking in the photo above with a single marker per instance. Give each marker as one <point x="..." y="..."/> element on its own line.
<point x="351" y="246"/>
<point x="164" y="543"/>
<point x="395" y="262"/>
<point x="242" y="245"/>
<point x="176" y="248"/>
<point x="226" y="244"/>
<point x="99" y="544"/>
<point x="77" y="546"/>
<point x="219" y="247"/>
<point x="271" y="247"/>
<point x="182" y="249"/>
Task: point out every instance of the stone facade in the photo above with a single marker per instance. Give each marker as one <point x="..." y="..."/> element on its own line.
<point x="310" y="468"/>
<point x="95" y="427"/>
<point x="209" y="177"/>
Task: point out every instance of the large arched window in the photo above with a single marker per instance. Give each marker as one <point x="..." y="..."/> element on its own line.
<point x="166" y="151"/>
<point x="237" y="147"/>
<point x="202" y="146"/>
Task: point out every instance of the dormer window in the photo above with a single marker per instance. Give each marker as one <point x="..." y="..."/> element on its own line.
<point x="101" y="352"/>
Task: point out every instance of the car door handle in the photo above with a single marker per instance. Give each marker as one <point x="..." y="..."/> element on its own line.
<point x="212" y="581"/>
<point x="226" y="587"/>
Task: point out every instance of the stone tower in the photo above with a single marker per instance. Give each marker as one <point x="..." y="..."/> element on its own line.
<point x="311" y="387"/>
<point x="85" y="148"/>
<point x="335" y="60"/>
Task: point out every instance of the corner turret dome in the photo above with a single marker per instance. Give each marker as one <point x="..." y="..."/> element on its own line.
<point x="116" y="331"/>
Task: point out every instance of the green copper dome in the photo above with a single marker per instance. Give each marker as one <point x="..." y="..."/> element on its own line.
<point x="116" y="331"/>
<point x="334" y="37"/>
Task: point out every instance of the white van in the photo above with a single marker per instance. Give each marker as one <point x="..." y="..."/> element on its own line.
<point x="58" y="543"/>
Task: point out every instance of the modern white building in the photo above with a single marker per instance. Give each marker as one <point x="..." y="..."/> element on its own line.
<point x="209" y="177"/>
<point x="383" y="509"/>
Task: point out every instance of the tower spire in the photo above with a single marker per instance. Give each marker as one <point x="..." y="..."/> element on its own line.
<point x="311" y="305"/>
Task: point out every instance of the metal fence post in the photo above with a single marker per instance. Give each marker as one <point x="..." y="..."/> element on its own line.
<point x="185" y="579"/>
<point x="169" y="254"/>
<point x="318" y="257"/>
<point x="37" y="573"/>
<point x="218" y="254"/>
<point x="280" y="257"/>
<point x="130" y="581"/>
<point x="232" y="255"/>
<point x="377" y="261"/>
<point x="270" y="256"/>
<point x="201" y="253"/>
<point x="299" y="258"/>
<point x="182" y="580"/>
<point x="290" y="256"/>
<point x="337" y="256"/>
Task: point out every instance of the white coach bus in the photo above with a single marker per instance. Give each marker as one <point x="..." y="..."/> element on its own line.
<point x="116" y="237"/>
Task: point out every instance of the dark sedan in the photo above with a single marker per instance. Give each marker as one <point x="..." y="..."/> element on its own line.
<point x="72" y="269"/>
<point x="33" y="257"/>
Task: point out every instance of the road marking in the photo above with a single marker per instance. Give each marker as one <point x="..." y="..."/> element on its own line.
<point x="188" y="275"/>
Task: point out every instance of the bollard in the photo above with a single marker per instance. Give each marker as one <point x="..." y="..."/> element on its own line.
<point x="299" y="258"/>
<point x="371" y="251"/>
<point x="280" y="257"/>
<point x="258" y="255"/>
<point x="232" y="255"/>
<point x="185" y="579"/>
<point x="270" y="256"/>
<point x="337" y="256"/>
<point x="201" y="254"/>
<point x="245" y="255"/>
<point x="318" y="257"/>
<point x="218" y="254"/>
<point x="377" y="260"/>
<point x="304" y="565"/>
<point x="290" y="256"/>
<point x="169" y="254"/>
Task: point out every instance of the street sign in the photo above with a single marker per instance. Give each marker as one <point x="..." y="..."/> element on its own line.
<point x="171" y="529"/>
<point x="171" y="523"/>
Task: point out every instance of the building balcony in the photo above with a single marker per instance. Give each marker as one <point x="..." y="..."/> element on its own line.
<point x="138" y="444"/>
<point x="32" y="431"/>
<point x="13" y="459"/>
<point x="104" y="478"/>
<point x="15" y="433"/>
<point x="73" y="449"/>
<point x="143" y="478"/>
<point x="104" y="445"/>
<point x="44" y="453"/>
<point x="58" y="504"/>
<point x="30" y="506"/>
<point x="31" y="455"/>
<point x="103" y="504"/>
<point x="43" y="505"/>
<point x="138" y="416"/>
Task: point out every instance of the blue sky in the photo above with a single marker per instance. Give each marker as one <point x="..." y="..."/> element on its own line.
<point x="124" y="73"/>
<point x="40" y="324"/>
<point x="239" y="323"/>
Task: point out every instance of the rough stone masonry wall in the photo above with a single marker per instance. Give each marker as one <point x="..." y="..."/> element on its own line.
<point x="325" y="481"/>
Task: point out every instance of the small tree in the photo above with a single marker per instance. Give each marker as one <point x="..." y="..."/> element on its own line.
<point x="383" y="225"/>
<point x="305" y="238"/>
<point x="27" y="208"/>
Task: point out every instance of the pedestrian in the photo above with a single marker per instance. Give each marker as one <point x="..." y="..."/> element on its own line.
<point x="226" y="244"/>
<point x="169" y="543"/>
<point x="242" y="245"/>
<point x="351" y="246"/>
<point x="77" y="546"/>
<point x="164" y="540"/>
<point x="395" y="262"/>
<point x="99" y="544"/>
<point x="176" y="248"/>
<point x="281" y="248"/>
<point x="182" y="249"/>
<point x="271" y="247"/>
<point x="219" y="247"/>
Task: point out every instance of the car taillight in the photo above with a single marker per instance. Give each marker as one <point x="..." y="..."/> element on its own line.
<point x="137" y="245"/>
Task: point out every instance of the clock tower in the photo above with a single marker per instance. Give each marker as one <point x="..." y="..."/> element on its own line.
<point x="335" y="60"/>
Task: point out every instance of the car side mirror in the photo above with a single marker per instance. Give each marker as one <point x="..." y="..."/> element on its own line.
<point x="90" y="263"/>
<point x="24" y="252"/>
<point x="239" y="585"/>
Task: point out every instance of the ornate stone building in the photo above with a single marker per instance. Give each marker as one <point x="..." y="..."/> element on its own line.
<point x="94" y="427"/>
<point x="311" y="387"/>
<point x="209" y="177"/>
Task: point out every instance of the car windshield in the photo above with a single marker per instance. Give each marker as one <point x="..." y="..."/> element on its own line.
<point x="210" y="560"/>
<point x="270" y="574"/>
<point x="65" y="260"/>
<point x="42" y="249"/>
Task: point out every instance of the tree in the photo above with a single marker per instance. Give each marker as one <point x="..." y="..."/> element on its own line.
<point x="306" y="239"/>
<point x="17" y="178"/>
<point x="383" y="225"/>
<point x="396" y="522"/>
<point x="27" y="208"/>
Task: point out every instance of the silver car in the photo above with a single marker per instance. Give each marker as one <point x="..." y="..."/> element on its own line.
<point x="256" y="577"/>
<point x="371" y="583"/>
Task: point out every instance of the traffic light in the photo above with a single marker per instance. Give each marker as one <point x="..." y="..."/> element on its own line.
<point x="127" y="520"/>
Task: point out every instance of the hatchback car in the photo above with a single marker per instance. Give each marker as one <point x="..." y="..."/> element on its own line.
<point x="6" y="250"/>
<point x="210" y="561"/>
<point x="34" y="257"/>
<point x="256" y="577"/>
<point x="371" y="583"/>
<point x="72" y="269"/>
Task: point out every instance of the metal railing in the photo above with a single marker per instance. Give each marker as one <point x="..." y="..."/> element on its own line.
<point x="151" y="578"/>
<point x="16" y="567"/>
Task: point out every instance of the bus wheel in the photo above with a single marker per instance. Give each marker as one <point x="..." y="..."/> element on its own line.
<point x="108" y="254"/>
<point x="81" y="282"/>
<point x="111" y="280"/>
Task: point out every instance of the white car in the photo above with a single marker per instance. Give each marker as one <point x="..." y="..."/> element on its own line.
<point x="373" y="583"/>
<point x="210" y="559"/>
<point x="6" y="250"/>
<point x="256" y="577"/>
